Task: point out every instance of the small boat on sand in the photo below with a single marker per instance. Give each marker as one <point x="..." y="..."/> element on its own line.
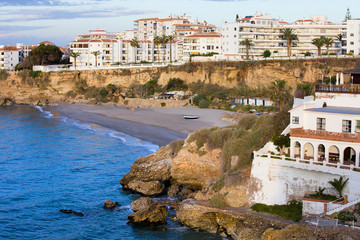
<point x="190" y="116"/>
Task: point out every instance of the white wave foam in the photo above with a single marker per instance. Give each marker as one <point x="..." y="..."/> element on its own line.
<point x="46" y="114"/>
<point x="132" y="141"/>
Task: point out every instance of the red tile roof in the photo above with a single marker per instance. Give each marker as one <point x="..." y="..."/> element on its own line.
<point x="145" y="19"/>
<point x="46" y="43"/>
<point x="9" y="48"/>
<point x="209" y="34"/>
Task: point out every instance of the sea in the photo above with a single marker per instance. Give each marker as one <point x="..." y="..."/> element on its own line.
<point x="49" y="162"/>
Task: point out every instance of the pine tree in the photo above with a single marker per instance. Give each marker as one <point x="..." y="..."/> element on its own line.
<point x="348" y="15"/>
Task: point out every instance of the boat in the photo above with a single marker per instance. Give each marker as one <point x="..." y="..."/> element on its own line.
<point x="190" y="116"/>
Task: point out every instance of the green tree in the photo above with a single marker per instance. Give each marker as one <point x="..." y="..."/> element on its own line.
<point x="96" y="54"/>
<point x="157" y="43"/>
<point x="318" y="42"/>
<point x="176" y="84"/>
<point x="75" y="55"/>
<point x="280" y="93"/>
<point x="290" y="36"/>
<point x="339" y="185"/>
<point x="247" y="43"/>
<point x="41" y="55"/>
<point x="237" y="17"/>
<point x="171" y="38"/>
<point x="164" y="41"/>
<point x="134" y="43"/>
<point x="328" y="42"/>
<point x="151" y="87"/>
<point x="282" y="142"/>
<point x="266" y="54"/>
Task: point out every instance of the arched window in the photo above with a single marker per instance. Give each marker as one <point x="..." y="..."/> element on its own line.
<point x="308" y="151"/>
<point x="349" y="156"/>
<point x="321" y="152"/>
<point x="297" y="150"/>
<point x="334" y="154"/>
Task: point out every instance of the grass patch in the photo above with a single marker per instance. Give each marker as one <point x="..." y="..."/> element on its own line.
<point x="175" y="146"/>
<point x="219" y="184"/>
<point x="218" y="201"/>
<point x="291" y="211"/>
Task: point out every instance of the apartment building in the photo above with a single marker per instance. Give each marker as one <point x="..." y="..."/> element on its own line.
<point x="264" y="32"/>
<point x="179" y="26"/>
<point x="351" y="36"/>
<point x="201" y="43"/>
<point x="110" y="50"/>
<point x="9" y="57"/>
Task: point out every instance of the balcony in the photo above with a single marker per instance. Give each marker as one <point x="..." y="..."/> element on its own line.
<point x="325" y="135"/>
<point x="354" y="89"/>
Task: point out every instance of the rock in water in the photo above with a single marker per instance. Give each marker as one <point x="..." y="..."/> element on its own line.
<point x="72" y="212"/>
<point x="141" y="204"/>
<point x="147" y="188"/>
<point x="155" y="214"/>
<point x="110" y="205"/>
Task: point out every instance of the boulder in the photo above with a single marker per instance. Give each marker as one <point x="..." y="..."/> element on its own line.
<point x="155" y="214"/>
<point x="146" y="188"/>
<point x="71" y="212"/>
<point x="141" y="204"/>
<point x="173" y="190"/>
<point x="154" y="168"/>
<point x="110" y="205"/>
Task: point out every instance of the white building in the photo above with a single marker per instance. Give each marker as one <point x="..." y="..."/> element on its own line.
<point x="351" y="37"/>
<point x="264" y="31"/>
<point x="201" y="43"/>
<point x="9" y="57"/>
<point x="179" y="26"/>
<point x="254" y="101"/>
<point x="324" y="145"/>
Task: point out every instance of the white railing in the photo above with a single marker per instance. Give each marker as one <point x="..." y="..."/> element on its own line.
<point x="333" y="207"/>
<point x="306" y="163"/>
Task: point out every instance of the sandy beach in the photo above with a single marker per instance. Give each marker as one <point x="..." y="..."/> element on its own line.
<point x="157" y="125"/>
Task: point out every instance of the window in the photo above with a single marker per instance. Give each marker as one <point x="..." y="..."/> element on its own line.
<point x="357" y="126"/>
<point x="351" y="43"/>
<point x="351" y="34"/>
<point x="295" y="120"/>
<point x="320" y="124"/>
<point x="346" y="126"/>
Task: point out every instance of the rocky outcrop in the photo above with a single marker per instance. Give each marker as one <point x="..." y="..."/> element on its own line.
<point x="190" y="169"/>
<point x="110" y="205"/>
<point x="154" y="214"/>
<point x="72" y="212"/>
<point x="141" y="204"/>
<point x="238" y="225"/>
<point x="148" y="174"/>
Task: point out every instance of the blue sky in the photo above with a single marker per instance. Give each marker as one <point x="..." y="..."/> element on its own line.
<point x="59" y="21"/>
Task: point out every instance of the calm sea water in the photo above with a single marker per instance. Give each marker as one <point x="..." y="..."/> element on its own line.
<point x="48" y="163"/>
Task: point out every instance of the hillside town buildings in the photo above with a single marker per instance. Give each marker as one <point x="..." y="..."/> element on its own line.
<point x="351" y="36"/>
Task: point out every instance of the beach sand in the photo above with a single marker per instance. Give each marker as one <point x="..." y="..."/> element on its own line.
<point x="156" y="125"/>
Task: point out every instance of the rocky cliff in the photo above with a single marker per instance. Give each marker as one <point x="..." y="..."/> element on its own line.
<point x="25" y="87"/>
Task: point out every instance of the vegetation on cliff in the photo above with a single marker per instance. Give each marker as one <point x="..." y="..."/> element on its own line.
<point x="291" y="211"/>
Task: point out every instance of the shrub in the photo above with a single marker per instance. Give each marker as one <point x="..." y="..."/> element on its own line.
<point x="176" y="84"/>
<point x="204" y="103"/>
<point x="34" y="74"/>
<point x="197" y="99"/>
<point x="71" y="94"/>
<point x="346" y="216"/>
<point x="163" y="104"/>
<point x="247" y="122"/>
<point x="126" y="102"/>
<point x="200" y="137"/>
<point x="292" y="211"/>
<point x="307" y="54"/>
<point x="175" y="146"/>
<point x="219" y="184"/>
<point x="218" y="137"/>
<point x="266" y="54"/>
<point x="218" y="200"/>
<point x="3" y="75"/>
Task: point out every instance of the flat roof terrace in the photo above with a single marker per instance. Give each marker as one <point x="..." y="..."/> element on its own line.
<point x="337" y="110"/>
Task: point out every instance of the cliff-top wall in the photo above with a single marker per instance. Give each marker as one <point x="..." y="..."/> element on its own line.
<point x="54" y="85"/>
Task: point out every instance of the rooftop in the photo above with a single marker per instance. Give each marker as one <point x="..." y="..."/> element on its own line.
<point x="339" y="110"/>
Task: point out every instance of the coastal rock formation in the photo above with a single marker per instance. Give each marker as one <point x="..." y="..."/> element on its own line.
<point x="156" y="213"/>
<point x="110" y="205"/>
<point x="141" y="204"/>
<point x="149" y="188"/>
<point x="238" y="225"/>
<point x="72" y="212"/>
<point x="191" y="169"/>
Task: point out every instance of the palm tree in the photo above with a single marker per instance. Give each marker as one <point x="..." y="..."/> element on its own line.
<point x="247" y="42"/>
<point x="75" y="55"/>
<point x="157" y="42"/>
<point x="280" y="93"/>
<point x="318" y="42"/>
<point x="171" y="38"/>
<point x="339" y="185"/>
<point x="134" y="43"/>
<point x="164" y="41"/>
<point x="289" y="35"/>
<point x="328" y="42"/>
<point x="96" y="54"/>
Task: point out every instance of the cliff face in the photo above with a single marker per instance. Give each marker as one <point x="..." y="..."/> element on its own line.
<point x="52" y="86"/>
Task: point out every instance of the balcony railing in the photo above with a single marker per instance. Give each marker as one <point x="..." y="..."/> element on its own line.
<point x="325" y="135"/>
<point x="338" y="89"/>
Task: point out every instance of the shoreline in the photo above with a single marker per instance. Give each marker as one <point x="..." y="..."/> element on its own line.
<point x="159" y="126"/>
